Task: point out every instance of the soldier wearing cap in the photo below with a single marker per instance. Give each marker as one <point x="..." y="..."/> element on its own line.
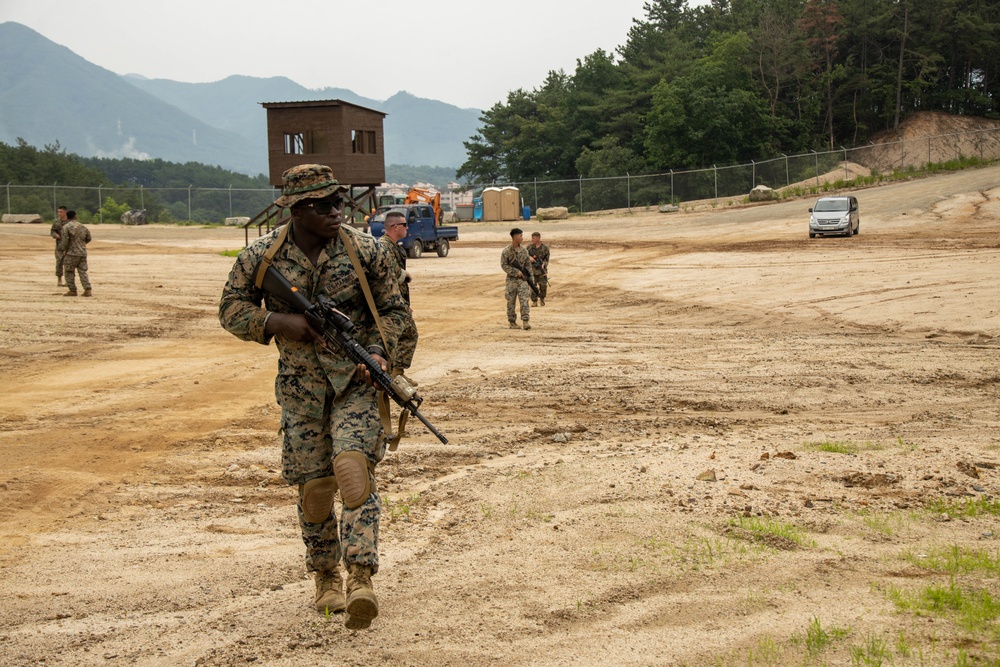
<point x="514" y="261"/>
<point x="395" y="231"/>
<point x="329" y="415"/>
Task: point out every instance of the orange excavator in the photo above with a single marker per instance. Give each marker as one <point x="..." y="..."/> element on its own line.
<point x="432" y="197"/>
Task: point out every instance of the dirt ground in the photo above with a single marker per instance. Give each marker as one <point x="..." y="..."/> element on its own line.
<point x="721" y="443"/>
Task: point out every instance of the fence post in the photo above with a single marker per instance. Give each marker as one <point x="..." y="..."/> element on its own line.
<point x="874" y="167"/>
<point x="817" y="168"/>
<point x="189" y="203"/>
<point x="671" y="187"/>
<point x="8" y="197"/>
<point x="100" y="206"/>
<point x="846" y="175"/>
<point x="581" y="194"/>
<point x="715" y="170"/>
<point x="231" y="201"/>
<point x="628" y="192"/>
<point x="536" y="196"/>
<point x="753" y="175"/>
<point x="788" y="181"/>
<point x="55" y="210"/>
<point x="902" y="155"/>
<point x="928" y="151"/>
<point x="142" y="197"/>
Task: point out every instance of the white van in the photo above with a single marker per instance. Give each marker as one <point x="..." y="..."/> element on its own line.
<point x="834" y="215"/>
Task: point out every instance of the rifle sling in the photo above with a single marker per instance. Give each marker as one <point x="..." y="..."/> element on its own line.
<point x="384" y="405"/>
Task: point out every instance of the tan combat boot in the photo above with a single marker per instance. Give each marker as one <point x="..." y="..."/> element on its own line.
<point x="59" y="284"/>
<point x="329" y="591"/>
<point x="362" y="605"/>
<point x="87" y="292"/>
<point x="70" y="293"/>
<point x="527" y="326"/>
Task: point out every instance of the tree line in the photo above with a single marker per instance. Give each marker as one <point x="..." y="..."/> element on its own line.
<point x="741" y="80"/>
<point x="104" y="188"/>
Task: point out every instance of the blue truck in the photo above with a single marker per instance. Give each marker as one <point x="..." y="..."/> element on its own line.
<point x="422" y="231"/>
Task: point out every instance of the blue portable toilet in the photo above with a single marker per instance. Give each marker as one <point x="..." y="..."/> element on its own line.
<point x="477" y="209"/>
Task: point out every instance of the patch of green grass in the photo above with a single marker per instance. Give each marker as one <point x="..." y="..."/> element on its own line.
<point x="972" y="610"/>
<point x="874" y="652"/>
<point x="966" y="508"/>
<point x="819" y="639"/>
<point x="884" y="523"/>
<point x="399" y="508"/>
<point x="832" y="447"/>
<point x="767" y="652"/>
<point x="762" y="527"/>
<point x="956" y="560"/>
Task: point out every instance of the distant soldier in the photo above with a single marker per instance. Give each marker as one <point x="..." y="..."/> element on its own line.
<point x="539" y="253"/>
<point x="73" y="240"/>
<point x="55" y="232"/>
<point x="395" y="231"/>
<point x="516" y="286"/>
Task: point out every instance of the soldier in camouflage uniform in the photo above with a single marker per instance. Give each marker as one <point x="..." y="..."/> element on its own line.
<point x="516" y="287"/>
<point x="539" y="253"/>
<point x="73" y="240"/>
<point x="395" y="231"/>
<point x="55" y="232"/>
<point x="329" y="415"/>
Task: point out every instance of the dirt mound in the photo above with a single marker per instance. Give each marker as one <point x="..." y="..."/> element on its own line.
<point x="934" y="123"/>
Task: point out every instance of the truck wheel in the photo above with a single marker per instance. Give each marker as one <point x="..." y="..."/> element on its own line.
<point x="442" y="248"/>
<point x="416" y="249"/>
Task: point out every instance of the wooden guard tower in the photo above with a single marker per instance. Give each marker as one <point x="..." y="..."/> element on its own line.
<point x="346" y="137"/>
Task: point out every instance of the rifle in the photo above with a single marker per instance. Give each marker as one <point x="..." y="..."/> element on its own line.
<point x="527" y="277"/>
<point x="337" y="329"/>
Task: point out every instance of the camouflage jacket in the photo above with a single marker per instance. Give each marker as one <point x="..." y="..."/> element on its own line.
<point x="539" y="259"/>
<point x="56" y="230"/>
<point x="397" y="258"/>
<point x="73" y="238"/>
<point x="509" y="256"/>
<point x="305" y="369"/>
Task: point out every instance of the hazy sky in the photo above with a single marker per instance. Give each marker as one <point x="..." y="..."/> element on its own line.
<point x="465" y="52"/>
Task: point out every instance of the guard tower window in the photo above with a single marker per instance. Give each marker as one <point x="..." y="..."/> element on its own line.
<point x="295" y="143"/>
<point x="370" y="134"/>
<point x="357" y="141"/>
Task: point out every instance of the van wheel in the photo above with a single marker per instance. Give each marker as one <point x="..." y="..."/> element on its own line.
<point x="442" y="248"/>
<point x="416" y="249"/>
<point x="811" y="235"/>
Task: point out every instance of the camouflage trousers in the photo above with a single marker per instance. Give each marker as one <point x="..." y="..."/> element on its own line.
<point x="59" y="263"/>
<point x="407" y="344"/>
<point x="75" y="264"/>
<point x="350" y="423"/>
<point x="517" y="289"/>
<point x="542" y="282"/>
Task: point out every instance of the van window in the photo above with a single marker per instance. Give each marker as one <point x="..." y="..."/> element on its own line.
<point x="831" y="205"/>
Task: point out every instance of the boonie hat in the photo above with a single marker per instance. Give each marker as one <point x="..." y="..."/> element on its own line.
<point x="307" y="181"/>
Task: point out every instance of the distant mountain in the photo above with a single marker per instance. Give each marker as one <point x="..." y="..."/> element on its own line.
<point x="49" y="94"/>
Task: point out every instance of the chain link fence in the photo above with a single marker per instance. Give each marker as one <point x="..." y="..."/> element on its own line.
<point x="212" y="205"/>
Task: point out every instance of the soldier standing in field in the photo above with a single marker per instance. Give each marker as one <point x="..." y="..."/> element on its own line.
<point x="55" y="232"/>
<point x="395" y="231"/>
<point x="539" y="253"/>
<point x="329" y="414"/>
<point x="73" y="240"/>
<point x="516" y="286"/>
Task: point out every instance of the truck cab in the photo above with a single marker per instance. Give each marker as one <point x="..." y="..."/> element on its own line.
<point x="422" y="232"/>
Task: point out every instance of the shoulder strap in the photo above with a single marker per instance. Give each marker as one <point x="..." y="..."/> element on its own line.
<point x="383" y="401"/>
<point x="265" y="261"/>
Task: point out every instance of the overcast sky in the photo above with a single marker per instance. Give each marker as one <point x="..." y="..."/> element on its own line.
<point x="465" y="52"/>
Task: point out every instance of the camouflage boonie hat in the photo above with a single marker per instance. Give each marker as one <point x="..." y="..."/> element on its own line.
<point x="307" y="181"/>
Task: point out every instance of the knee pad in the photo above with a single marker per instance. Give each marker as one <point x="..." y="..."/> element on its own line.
<point x="316" y="498"/>
<point x="352" y="472"/>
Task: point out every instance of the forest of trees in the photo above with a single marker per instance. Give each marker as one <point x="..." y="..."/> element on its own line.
<point x="741" y="80"/>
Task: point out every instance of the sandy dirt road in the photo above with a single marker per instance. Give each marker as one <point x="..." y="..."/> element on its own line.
<point x="840" y="395"/>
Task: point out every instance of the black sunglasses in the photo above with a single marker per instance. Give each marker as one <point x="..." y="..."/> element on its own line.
<point x="324" y="207"/>
<point x="399" y="224"/>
